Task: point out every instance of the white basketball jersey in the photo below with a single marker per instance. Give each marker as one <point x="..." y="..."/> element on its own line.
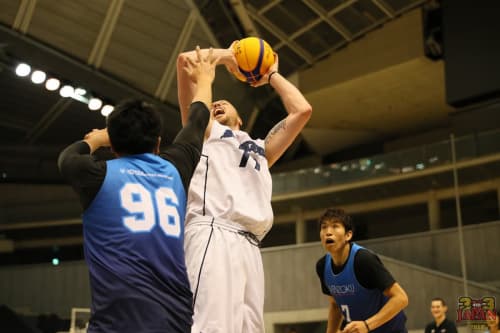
<point x="232" y="181"/>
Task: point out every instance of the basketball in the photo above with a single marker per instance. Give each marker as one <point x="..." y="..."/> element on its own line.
<point x="254" y="57"/>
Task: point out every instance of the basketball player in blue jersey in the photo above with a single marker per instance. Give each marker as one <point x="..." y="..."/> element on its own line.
<point x="229" y="205"/>
<point x="363" y="295"/>
<point x="134" y="208"/>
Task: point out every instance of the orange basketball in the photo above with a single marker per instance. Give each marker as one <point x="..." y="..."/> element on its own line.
<point x="254" y="57"/>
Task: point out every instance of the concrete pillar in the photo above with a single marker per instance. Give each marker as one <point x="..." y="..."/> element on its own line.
<point x="300" y="226"/>
<point x="433" y="211"/>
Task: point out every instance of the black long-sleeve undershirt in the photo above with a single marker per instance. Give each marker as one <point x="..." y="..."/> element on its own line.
<point x="86" y="174"/>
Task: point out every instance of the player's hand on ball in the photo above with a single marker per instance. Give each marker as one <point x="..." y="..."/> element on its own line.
<point x="265" y="78"/>
<point x="230" y="61"/>
<point x="253" y="56"/>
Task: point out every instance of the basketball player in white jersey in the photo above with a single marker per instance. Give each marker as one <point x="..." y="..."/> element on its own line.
<point x="229" y="204"/>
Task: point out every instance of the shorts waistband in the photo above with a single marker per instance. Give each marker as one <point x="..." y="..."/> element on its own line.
<point x="226" y="225"/>
<point x="223" y="223"/>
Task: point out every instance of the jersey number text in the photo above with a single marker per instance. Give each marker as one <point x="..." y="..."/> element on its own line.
<point x="145" y="206"/>
<point x="345" y="311"/>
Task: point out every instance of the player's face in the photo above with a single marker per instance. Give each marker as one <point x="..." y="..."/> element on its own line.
<point x="334" y="236"/>
<point x="225" y="113"/>
<point x="438" y="310"/>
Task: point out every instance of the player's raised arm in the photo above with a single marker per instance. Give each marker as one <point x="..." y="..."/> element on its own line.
<point x="185" y="85"/>
<point x="97" y="138"/>
<point x="299" y="111"/>
<point x="201" y="72"/>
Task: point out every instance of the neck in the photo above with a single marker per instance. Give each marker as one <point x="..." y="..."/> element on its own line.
<point x="340" y="256"/>
<point x="439" y="320"/>
<point x="118" y="155"/>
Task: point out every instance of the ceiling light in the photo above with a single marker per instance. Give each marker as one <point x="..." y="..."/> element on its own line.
<point x="80" y="95"/>
<point x="67" y="91"/>
<point x="420" y="166"/>
<point x="23" y="70"/>
<point x="52" y="84"/>
<point x="107" y="109"/>
<point x="80" y="98"/>
<point x="38" y="77"/>
<point x="80" y="91"/>
<point x="95" y="104"/>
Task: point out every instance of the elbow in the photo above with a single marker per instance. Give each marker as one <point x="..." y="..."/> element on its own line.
<point x="62" y="167"/>
<point x="404" y="301"/>
<point x="306" y="111"/>
<point x="61" y="162"/>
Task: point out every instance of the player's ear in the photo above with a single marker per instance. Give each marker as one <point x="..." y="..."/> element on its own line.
<point x="348" y="235"/>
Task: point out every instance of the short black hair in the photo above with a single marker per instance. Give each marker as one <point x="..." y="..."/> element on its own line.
<point x="337" y="214"/>
<point x="439" y="299"/>
<point x="134" y="127"/>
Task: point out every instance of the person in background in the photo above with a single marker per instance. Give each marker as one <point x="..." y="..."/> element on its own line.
<point x="363" y="295"/>
<point x="440" y="324"/>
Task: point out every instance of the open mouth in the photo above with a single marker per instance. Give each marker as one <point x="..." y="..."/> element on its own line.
<point x="218" y="112"/>
<point x="330" y="241"/>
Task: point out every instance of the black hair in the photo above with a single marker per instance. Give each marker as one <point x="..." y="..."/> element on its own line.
<point x="337" y="214"/>
<point x="134" y="127"/>
<point x="439" y="299"/>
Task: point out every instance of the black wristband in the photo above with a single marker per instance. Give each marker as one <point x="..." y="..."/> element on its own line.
<point x="366" y="325"/>
<point x="270" y="76"/>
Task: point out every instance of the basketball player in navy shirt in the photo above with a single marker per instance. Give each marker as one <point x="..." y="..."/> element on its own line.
<point x="134" y="208"/>
<point x="364" y="297"/>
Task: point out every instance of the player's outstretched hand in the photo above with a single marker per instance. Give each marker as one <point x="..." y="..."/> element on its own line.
<point x="203" y="68"/>
<point x="202" y="71"/>
<point x="265" y="78"/>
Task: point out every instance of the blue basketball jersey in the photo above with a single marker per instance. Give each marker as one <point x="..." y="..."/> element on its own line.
<point x="134" y="234"/>
<point x="355" y="301"/>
